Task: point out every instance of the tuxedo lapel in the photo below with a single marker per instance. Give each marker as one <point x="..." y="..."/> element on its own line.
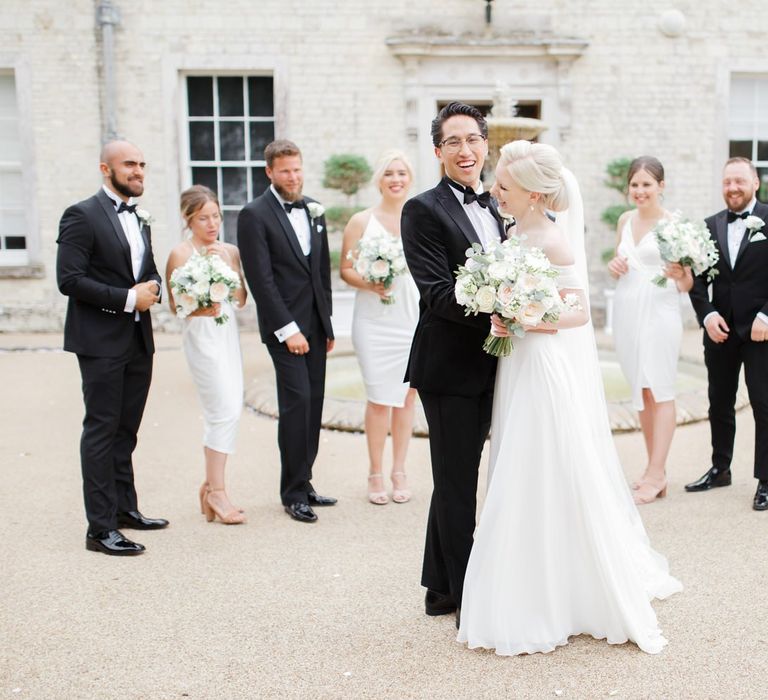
<point x="285" y="224"/>
<point x="761" y="212"/>
<point x="499" y="220"/>
<point x="456" y="211"/>
<point x="109" y="209"/>
<point x="144" y="237"/>
<point x="721" y="230"/>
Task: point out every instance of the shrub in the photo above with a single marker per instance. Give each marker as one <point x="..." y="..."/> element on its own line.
<point x="346" y="172"/>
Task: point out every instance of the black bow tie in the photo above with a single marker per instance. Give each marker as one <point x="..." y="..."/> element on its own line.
<point x="484" y="199"/>
<point x="298" y="204"/>
<point x="732" y="216"/>
<point x="130" y="208"/>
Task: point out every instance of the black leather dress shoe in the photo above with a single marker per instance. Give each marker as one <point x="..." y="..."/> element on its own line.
<point x="713" y="478"/>
<point x="134" y="520"/>
<point x="761" y="496"/>
<point x="112" y="542"/>
<point x="301" y="512"/>
<point x="317" y="500"/>
<point x="438" y="603"/>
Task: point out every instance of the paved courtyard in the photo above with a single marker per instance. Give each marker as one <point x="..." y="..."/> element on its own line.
<point x="278" y="609"/>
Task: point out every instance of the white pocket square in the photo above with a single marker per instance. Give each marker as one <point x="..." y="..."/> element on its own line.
<point x="320" y="229"/>
<point x="759" y="236"/>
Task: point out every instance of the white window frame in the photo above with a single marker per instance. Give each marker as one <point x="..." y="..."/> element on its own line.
<point x="759" y="81"/>
<point x="19" y="257"/>
<point x="249" y="163"/>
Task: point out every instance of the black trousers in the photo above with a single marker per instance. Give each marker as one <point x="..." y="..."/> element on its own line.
<point x="458" y="428"/>
<point x="300" y="394"/>
<point x="724" y="361"/>
<point x="114" y="392"/>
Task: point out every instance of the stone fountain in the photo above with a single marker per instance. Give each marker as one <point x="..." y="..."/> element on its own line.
<point x="504" y="125"/>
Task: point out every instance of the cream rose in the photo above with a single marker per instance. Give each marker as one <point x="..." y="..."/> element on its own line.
<point x="485" y="299"/>
<point x="219" y="291"/>
<point x="379" y="268"/>
<point x="532" y="313"/>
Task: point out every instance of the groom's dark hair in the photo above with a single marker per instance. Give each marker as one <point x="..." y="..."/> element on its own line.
<point x="453" y="109"/>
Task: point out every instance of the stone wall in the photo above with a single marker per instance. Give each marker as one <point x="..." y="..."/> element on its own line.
<point x="339" y="88"/>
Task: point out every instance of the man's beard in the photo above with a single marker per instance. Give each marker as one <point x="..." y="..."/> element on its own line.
<point x="122" y="188"/>
<point x="288" y="196"/>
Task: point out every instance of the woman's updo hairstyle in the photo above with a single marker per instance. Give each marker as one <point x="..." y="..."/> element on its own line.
<point x="194" y="199"/>
<point x="650" y="164"/>
<point x="537" y="167"/>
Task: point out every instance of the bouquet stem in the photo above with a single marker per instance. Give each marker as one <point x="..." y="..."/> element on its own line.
<point x="388" y="300"/>
<point x="498" y="347"/>
<point x="660" y="281"/>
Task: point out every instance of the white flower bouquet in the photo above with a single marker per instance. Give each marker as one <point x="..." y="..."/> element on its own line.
<point x="686" y="242"/>
<point x="515" y="282"/>
<point x="379" y="257"/>
<point x="201" y="282"/>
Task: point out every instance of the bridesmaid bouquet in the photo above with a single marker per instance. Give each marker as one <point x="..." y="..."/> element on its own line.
<point x="686" y="242"/>
<point x="379" y="257"/>
<point x="514" y="282"/>
<point x="201" y="282"/>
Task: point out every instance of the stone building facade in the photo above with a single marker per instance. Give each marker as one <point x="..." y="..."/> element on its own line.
<point x="200" y="86"/>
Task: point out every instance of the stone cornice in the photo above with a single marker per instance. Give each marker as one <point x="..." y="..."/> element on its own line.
<point x="516" y="45"/>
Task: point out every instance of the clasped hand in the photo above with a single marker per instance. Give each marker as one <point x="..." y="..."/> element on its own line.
<point x="500" y="330"/>
<point x="147" y="294"/>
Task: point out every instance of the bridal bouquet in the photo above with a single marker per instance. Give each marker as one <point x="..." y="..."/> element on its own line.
<point x="379" y="257"/>
<point x="517" y="283"/>
<point x="686" y="242"/>
<point x="201" y="282"/>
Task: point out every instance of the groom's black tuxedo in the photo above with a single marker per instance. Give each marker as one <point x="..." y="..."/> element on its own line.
<point x="739" y="292"/>
<point x="114" y="350"/>
<point x="289" y="286"/>
<point x="454" y="377"/>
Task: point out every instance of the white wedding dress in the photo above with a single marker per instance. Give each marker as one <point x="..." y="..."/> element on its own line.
<point x="560" y="549"/>
<point x="213" y="356"/>
<point x="382" y="334"/>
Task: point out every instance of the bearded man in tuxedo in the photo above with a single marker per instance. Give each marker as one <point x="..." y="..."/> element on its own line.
<point x="106" y="267"/>
<point x="284" y="248"/>
<point x="735" y="323"/>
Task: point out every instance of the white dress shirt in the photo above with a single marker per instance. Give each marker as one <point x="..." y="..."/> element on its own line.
<point x="300" y="223"/>
<point x="482" y="220"/>
<point x="736" y="231"/>
<point x="132" y="231"/>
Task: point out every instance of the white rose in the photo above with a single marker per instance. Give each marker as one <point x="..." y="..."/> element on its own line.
<point x="361" y="267"/>
<point x="380" y="269"/>
<point x="185" y="305"/>
<point x="532" y="313"/>
<point x="754" y="223"/>
<point x="498" y="270"/>
<point x="485" y="299"/>
<point x="200" y="289"/>
<point x="505" y="294"/>
<point x="219" y="291"/>
<point x="315" y="209"/>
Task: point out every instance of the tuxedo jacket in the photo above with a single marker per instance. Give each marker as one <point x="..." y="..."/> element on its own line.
<point x="447" y="355"/>
<point x="93" y="269"/>
<point x="286" y="284"/>
<point x="741" y="291"/>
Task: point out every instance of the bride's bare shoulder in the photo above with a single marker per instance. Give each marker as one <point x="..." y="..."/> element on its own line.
<point x="556" y="246"/>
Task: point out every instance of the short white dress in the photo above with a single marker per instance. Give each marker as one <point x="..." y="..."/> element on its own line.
<point x="213" y="355"/>
<point x="382" y="335"/>
<point x="647" y="324"/>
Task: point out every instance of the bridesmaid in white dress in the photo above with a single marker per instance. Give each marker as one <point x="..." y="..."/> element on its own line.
<point x="382" y="333"/>
<point x="212" y="351"/>
<point x="560" y="549"/>
<point x="647" y="326"/>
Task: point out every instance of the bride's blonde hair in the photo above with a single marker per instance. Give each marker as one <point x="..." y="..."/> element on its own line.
<point x="537" y="167"/>
<point x="385" y="160"/>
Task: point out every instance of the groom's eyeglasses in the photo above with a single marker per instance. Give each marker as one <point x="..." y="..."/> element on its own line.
<point x="453" y="144"/>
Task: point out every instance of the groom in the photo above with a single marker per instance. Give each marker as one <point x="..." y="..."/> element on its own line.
<point x="106" y="268"/>
<point x="284" y="248"/>
<point x="448" y="366"/>
<point x="735" y="322"/>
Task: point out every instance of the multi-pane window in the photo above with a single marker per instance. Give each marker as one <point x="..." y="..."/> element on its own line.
<point x="230" y="120"/>
<point x="748" y="124"/>
<point x="13" y="224"/>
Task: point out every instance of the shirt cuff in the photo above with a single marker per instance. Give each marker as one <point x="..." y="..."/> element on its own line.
<point x="762" y="317"/>
<point x="130" y="302"/>
<point x="286" y="331"/>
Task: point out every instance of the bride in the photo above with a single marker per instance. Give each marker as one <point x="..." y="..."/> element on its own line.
<point x="560" y="549"/>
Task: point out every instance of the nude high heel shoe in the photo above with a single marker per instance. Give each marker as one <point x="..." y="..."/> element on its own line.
<point x="400" y="495"/>
<point x="648" y="493"/>
<point x="233" y="517"/>
<point x="203" y="490"/>
<point x="378" y="498"/>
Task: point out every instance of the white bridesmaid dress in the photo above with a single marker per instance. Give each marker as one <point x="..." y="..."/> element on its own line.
<point x="382" y="335"/>
<point x="647" y="324"/>
<point x="214" y="359"/>
<point x="560" y="549"/>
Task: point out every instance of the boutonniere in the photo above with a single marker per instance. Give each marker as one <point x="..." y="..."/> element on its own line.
<point x="144" y="216"/>
<point x="754" y="224"/>
<point x="315" y="209"/>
